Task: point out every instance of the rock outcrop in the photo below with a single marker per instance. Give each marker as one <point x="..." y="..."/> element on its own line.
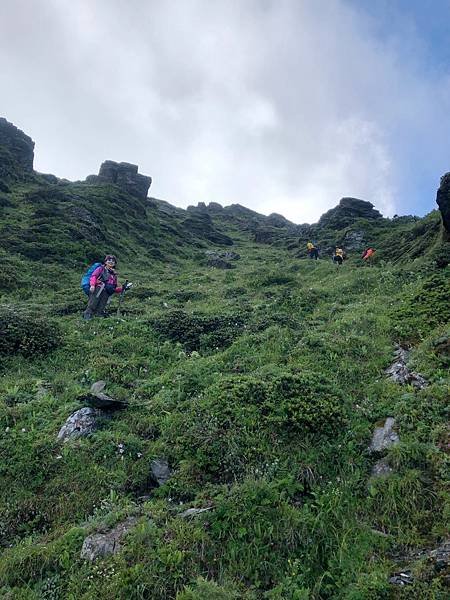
<point x="160" y="471"/>
<point x="276" y="220"/>
<point x="104" y="544"/>
<point x="16" y="152"/>
<point x="81" y="423"/>
<point x="347" y="212"/>
<point x="443" y="201"/>
<point x="201" y="225"/>
<point x="125" y="176"/>
<point x="220" y="259"/>
<point x="96" y="398"/>
<point x="400" y="373"/>
<point x="354" y="240"/>
<point x="384" y="437"/>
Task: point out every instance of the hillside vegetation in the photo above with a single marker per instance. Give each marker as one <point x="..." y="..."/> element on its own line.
<point x="256" y="389"/>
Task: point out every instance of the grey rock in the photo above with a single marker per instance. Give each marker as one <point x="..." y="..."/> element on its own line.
<point x="125" y="176"/>
<point x="381" y="468"/>
<point x="97" y="387"/>
<point x="160" y="471"/>
<point x="400" y="373"/>
<point x="49" y="178"/>
<point x="220" y="263"/>
<point x="354" y="240"/>
<point x="104" y="544"/>
<point x="193" y="512"/>
<point x="225" y="254"/>
<point x="81" y="423"/>
<point x="266" y="235"/>
<point x="441" y="556"/>
<point x="276" y="220"/>
<point x="402" y="578"/>
<point x="97" y="399"/>
<point x="215" y="207"/>
<point x="200" y="224"/>
<point x="384" y="437"/>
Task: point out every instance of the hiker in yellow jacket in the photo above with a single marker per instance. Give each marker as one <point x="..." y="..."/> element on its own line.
<point x="338" y="256"/>
<point x="313" y="252"/>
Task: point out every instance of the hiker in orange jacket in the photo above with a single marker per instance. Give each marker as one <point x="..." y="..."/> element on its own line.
<point x="368" y="253"/>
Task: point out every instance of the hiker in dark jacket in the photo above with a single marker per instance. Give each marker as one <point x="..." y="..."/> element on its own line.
<point x="102" y="284"/>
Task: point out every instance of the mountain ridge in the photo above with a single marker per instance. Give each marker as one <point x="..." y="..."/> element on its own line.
<point x="274" y="427"/>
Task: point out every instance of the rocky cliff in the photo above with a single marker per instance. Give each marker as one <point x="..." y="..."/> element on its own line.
<point x="443" y="200"/>
<point x="125" y="176"/>
<point x="347" y="212"/>
<point x="16" y="152"/>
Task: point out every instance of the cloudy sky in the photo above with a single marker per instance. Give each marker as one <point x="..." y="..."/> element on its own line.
<point x="280" y="105"/>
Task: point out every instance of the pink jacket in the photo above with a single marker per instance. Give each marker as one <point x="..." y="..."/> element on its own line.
<point x="112" y="279"/>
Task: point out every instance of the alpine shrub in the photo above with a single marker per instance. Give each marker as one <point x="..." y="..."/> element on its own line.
<point x="22" y="333"/>
<point x="426" y="308"/>
<point x="198" y="332"/>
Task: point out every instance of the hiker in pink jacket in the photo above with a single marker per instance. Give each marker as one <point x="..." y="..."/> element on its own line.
<point x="102" y="284"/>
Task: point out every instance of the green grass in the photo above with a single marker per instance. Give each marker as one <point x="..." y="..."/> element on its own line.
<point x="260" y="385"/>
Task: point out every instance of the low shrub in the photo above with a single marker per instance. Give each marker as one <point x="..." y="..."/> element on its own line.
<point x="23" y="333"/>
<point x="425" y="308"/>
<point x="226" y="431"/>
<point x="197" y="332"/>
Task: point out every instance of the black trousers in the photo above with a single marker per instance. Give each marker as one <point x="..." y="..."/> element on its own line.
<point x="96" y="304"/>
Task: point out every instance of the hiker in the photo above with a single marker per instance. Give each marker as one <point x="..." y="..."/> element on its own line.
<point x="367" y="254"/>
<point x="102" y="284"/>
<point x="313" y="252"/>
<point x="338" y="256"/>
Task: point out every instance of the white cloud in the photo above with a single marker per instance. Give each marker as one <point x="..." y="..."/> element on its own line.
<point x="283" y="106"/>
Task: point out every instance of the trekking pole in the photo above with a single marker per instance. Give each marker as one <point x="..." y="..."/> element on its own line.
<point x="124" y="287"/>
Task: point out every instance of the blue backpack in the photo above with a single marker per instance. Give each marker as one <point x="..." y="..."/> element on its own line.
<point x="87" y="276"/>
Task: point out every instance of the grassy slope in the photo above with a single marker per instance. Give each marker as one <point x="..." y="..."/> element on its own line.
<point x="265" y="414"/>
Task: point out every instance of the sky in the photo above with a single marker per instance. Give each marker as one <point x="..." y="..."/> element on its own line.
<point x="279" y="105"/>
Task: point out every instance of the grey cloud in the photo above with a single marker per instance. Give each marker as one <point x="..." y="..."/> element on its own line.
<point x="282" y="106"/>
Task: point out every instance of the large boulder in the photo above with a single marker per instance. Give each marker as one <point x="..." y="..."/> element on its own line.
<point x="16" y="152"/>
<point x="125" y="176"/>
<point x="443" y="200"/>
<point x="347" y="212"/>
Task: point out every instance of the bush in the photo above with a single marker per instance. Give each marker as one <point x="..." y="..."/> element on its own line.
<point x="198" y="332"/>
<point x="424" y="309"/>
<point x="225" y="432"/>
<point x="22" y="333"/>
<point x="286" y="401"/>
